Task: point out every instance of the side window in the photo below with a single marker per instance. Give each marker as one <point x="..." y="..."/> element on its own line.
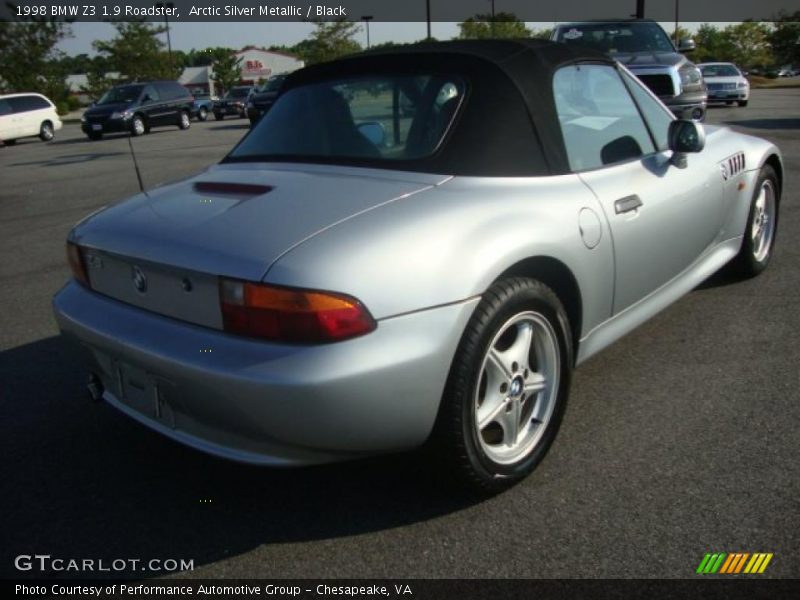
<point x="37" y="102"/>
<point x="151" y="91"/>
<point x="599" y="120"/>
<point x="5" y="108"/>
<point x="657" y="116"/>
<point x="179" y="91"/>
<point x="21" y="104"/>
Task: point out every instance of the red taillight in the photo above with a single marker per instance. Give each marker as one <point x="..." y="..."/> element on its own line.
<point x="291" y="315"/>
<point x="77" y="264"/>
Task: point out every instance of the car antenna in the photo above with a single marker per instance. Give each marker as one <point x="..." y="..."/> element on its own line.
<point x="136" y="166"/>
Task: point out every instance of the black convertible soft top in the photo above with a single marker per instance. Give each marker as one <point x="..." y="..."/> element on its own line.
<point x="508" y="125"/>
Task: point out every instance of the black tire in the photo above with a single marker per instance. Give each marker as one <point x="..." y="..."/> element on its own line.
<point x="742" y="103"/>
<point x="184" y="120"/>
<point x="46" y="131"/>
<point x="94" y="136"/>
<point x="202" y="113"/>
<point x="457" y="438"/>
<point x="753" y="258"/>
<point x="9" y="142"/>
<point x="138" y="126"/>
<point x="219" y="116"/>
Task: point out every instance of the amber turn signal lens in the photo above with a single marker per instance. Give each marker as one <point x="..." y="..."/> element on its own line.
<point x="77" y="264"/>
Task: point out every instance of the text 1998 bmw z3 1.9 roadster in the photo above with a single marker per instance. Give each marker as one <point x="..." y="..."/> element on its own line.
<point x="415" y="244"/>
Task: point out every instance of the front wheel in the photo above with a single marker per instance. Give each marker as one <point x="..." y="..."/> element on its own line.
<point x="137" y="126"/>
<point x="46" y="132"/>
<point x="202" y="113"/>
<point x="762" y="225"/>
<point x="184" y="121"/>
<point x="508" y="385"/>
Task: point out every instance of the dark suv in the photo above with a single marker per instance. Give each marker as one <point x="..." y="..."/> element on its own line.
<point x="646" y="50"/>
<point x="234" y="102"/>
<point x="264" y="97"/>
<point x="136" y="107"/>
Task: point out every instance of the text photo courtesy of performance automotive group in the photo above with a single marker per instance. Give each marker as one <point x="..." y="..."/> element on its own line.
<point x="376" y="302"/>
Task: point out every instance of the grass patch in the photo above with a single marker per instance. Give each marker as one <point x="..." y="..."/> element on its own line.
<point x="757" y="82"/>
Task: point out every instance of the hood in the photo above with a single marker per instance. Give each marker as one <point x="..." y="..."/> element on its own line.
<point x="102" y="110"/>
<point x="634" y="60"/>
<point x="237" y="219"/>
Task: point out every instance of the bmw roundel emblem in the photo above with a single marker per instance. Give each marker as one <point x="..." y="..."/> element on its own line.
<point x="139" y="280"/>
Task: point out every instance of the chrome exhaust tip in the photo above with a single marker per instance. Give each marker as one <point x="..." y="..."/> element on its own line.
<point x="95" y="388"/>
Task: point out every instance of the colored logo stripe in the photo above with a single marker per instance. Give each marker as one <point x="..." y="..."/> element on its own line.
<point x="734" y="563"/>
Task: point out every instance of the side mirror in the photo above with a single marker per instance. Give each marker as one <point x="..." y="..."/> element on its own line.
<point x="685" y="137"/>
<point x="686" y="45"/>
<point x="374" y="132"/>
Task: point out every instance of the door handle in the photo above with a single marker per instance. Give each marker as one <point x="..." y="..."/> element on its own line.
<point x="627" y="204"/>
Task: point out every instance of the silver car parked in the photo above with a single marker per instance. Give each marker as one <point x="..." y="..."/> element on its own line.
<point x="412" y="245"/>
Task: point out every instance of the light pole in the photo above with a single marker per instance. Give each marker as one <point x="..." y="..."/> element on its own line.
<point x="166" y="5"/>
<point x="492" y="25"/>
<point x="677" y="21"/>
<point x="428" y="13"/>
<point x="367" y="19"/>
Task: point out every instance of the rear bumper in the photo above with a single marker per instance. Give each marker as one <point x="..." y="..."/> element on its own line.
<point x="266" y="403"/>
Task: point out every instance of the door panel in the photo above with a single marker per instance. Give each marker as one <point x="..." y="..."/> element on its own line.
<point x="676" y="217"/>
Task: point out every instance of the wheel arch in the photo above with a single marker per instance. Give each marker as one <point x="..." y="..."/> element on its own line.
<point x="559" y="278"/>
<point x="774" y="161"/>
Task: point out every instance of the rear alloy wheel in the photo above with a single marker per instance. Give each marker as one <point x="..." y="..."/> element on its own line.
<point x="184" y="122"/>
<point x="202" y="113"/>
<point x="762" y="225"/>
<point x="137" y="126"/>
<point x="46" y="132"/>
<point x="508" y="385"/>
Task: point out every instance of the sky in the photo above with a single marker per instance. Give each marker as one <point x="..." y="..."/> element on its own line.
<point x="185" y="35"/>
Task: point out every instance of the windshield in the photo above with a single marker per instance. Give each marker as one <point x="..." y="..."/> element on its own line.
<point x="615" y="38"/>
<point x="720" y="71"/>
<point x="273" y="84"/>
<point x="237" y="92"/>
<point x="392" y="117"/>
<point x="125" y="94"/>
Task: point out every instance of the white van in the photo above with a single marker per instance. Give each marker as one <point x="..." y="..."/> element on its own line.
<point x="27" y="115"/>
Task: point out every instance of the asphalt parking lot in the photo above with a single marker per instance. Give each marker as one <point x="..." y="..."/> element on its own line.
<point x="680" y="439"/>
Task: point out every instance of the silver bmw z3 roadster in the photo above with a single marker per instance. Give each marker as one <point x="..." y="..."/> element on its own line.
<point x="413" y="245"/>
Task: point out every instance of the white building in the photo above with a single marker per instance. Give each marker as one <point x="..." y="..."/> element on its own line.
<point x="256" y="64"/>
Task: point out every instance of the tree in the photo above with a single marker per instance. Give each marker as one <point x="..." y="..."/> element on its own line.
<point x="29" y="61"/>
<point x="330" y="40"/>
<point x="712" y="45"/>
<point x="785" y="39"/>
<point x="206" y="57"/>
<point x="227" y="71"/>
<point x="542" y="34"/>
<point x="748" y="43"/>
<point x="137" y="53"/>
<point x="504" y="25"/>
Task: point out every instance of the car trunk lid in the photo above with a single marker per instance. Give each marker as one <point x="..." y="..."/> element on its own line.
<point x="232" y="220"/>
